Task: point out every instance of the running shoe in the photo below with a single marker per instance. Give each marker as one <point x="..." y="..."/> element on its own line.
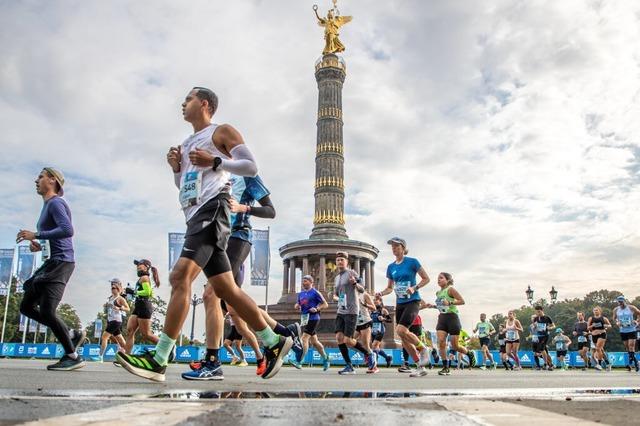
<point x="598" y="367"/>
<point x="325" y="364"/>
<point x="637" y="366"/>
<point x="197" y="365"/>
<point x="261" y="366"/>
<point x="404" y="368"/>
<point x="628" y="368"/>
<point x="444" y="372"/>
<point x="482" y="367"/>
<point x="472" y="359"/>
<point x="117" y="364"/>
<point x="494" y="366"/>
<point x="292" y="361"/>
<point x="67" y="364"/>
<point x="78" y="338"/>
<point x="143" y="365"/>
<point x="208" y="371"/>
<point x="425" y="357"/>
<point x="242" y="363"/>
<point x="234" y="360"/>
<point x="372" y="362"/>
<point x="296" y="330"/>
<point x="275" y="355"/>
<point x="419" y="372"/>
<point x="389" y="358"/>
<point x="608" y="367"/>
<point x="347" y="370"/>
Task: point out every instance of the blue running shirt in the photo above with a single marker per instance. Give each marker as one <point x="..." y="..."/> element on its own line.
<point x="404" y="276"/>
<point x="246" y="190"/>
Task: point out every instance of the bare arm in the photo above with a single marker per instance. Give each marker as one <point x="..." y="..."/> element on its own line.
<point x="458" y="300"/>
<point x="368" y="302"/>
<point x="124" y="306"/>
<point x="388" y="289"/>
<point x="519" y="326"/>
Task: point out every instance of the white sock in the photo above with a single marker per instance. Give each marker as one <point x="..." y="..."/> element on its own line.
<point x="73" y="355"/>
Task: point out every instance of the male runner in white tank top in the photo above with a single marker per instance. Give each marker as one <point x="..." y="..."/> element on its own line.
<point x="202" y="167"/>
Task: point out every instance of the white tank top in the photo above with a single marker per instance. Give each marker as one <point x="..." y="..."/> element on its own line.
<point x="364" y="316"/>
<point x="199" y="184"/>
<point x="113" y="314"/>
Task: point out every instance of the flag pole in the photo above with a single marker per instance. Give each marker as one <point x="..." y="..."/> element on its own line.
<point x="6" y="302"/>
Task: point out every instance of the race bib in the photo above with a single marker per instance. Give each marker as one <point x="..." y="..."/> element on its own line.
<point x="501" y="342"/>
<point x="401" y="289"/>
<point x="190" y="190"/>
<point x="377" y="327"/>
<point x="46" y="249"/>
<point x="534" y="338"/>
<point x="541" y="326"/>
<point x="560" y="346"/>
<point x="512" y="335"/>
<point x="342" y="301"/>
<point x="440" y="305"/>
<point x="582" y="338"/>
<point x="304" y="319"/>
<point x="625" y="321"/>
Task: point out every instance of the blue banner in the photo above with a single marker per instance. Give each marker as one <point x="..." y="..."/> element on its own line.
<point x="26" y="266"/>
<point x="97" y="331"/>
<point x="33" y="326"/>
<point x="176" y="241"/>
<point x="260" y="257"/>
<point x="23" y="322"/>
<point x="6" y="268"/>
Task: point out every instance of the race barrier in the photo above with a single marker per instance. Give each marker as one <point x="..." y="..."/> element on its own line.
<point x="193" y="353"/>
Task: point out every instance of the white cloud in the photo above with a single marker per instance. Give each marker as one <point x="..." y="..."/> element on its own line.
<point x="502" y="140"/>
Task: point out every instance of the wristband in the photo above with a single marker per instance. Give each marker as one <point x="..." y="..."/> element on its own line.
<point x="216" y="163"/>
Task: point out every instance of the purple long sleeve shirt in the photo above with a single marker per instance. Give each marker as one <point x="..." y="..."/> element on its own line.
<point x="55" y="225"/>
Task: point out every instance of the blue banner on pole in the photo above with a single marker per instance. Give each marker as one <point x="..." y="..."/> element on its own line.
<point x="97" y="331"/>
<point x="176" y="241"/>
<point x="33" y="326"/>
<point x="26" y="266"/>
<point x="23" y="322"/>
<point x="6" y="267"/>
<point x="260" y="257"/>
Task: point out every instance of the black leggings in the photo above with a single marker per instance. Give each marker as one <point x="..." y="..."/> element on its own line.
<point x="42" y="294"/>
<point x="238" y="250"/>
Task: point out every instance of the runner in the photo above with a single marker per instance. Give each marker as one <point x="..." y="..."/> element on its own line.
<point x="310" y="303"/>
<point x="347" y="284"/>
<point x="363" y="328"/>
<point x="116" y="305"/>
<point x="202" y="167"/>
<point x="542" y="325"/>
<point x="485" y="329"/>
<point x="580" y="329"/>
<point x="623" y="316"/>
<point x="44" y="290"/>
<point x="463" y="342"/>
<point x="598" y="326"/>
<point x="502" y="334"/>
<point x="513" y="327"/>
<point x="140" y="318"/>
<point x="447" y="301"/>
<point x="379" y="317"/>
<point x="401" y="276"/>
<point x="562" y="342"/>
<point x="233" y="338"/>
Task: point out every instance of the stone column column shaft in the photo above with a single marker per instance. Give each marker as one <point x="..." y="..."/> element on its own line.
<point x="292" y="276"/>
<point x="285" y="278"/>
<point x="305" y="265"/>
<point x="322" y="270"/>
<point x="367" y="267"/>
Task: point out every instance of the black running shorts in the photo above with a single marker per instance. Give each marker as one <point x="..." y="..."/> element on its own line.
<point x="311" y="327"/>
<point x="561" y="353"/>
<point x="541" y="345"/>
<point x="627" y="336"/>
<point x="364" y="326"/>
<point x="450" y="323"/>
<point x="143" y="308"/>
<point x="233" y="334"/>
<point x="406" y="313"/>
<point x="346" y="324"/>
<point x="503" y="349"/>
<point x="582" y="345"/>
<point x="484" y="341"/>
<point x="377" y="337"/>
<point x="597" y="337"/>
<point x="114" y="328"/>
<point x="207" y="236"/>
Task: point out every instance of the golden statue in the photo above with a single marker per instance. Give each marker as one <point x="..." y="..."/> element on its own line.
<point x="332" y="24"/>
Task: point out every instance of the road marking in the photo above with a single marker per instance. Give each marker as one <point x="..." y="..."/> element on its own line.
<point x="138" y="413"/>
<point x="499" y="413"/>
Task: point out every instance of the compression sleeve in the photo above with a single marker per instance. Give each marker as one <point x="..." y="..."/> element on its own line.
<point x="146" y="290"/>
<point x="60" y="216"/>
<point x="266" y="209"/>
<point x="242" y="162"/>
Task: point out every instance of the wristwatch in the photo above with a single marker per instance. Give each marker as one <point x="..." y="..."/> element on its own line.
<point x="216" y="163"/>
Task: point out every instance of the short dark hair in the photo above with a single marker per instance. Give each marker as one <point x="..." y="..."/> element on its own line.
<point x="208" y="95"/>
<point x="342" y="254"/>
<point x="538" y="308"/>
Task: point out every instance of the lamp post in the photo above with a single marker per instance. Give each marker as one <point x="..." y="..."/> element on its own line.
<point x="554" y="295"/>
<point x="529" y="293"/>
<point x="195" y="301"/>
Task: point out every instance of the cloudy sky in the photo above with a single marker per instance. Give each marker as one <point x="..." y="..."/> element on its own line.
<point x="501" y="139"/>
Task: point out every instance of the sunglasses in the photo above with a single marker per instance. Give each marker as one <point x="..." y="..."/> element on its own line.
<point x="114" y="288"/>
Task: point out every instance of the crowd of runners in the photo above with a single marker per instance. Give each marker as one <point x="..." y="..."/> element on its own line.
<point x="220" y="190"/>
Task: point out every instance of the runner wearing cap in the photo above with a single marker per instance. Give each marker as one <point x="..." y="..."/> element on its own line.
<point x="623" y="315"/>
<point x="310" y="303"/>
<point x="401" y="276"/>
<point x="202" y="166"/>
<point x="44" y="290"/>
<point x="346" y="288"/>
<point x="115" y="306"/>
<point x="561" y="343"/>
<point x="140" y="318"/>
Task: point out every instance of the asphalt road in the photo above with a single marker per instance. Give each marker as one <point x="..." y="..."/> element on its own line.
<point x="310" y="396"/>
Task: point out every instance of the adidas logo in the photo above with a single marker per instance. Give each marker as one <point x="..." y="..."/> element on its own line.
<point x="525" y="358"/>
<point x="185" y="353"/>
<point x="46" y="351"/>
<point x="110" y="351"/>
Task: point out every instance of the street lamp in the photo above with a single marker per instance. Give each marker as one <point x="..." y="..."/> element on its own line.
<point x="554" y="294"/>
<point x="195" y="301"/>
<point x="529" y="295"/>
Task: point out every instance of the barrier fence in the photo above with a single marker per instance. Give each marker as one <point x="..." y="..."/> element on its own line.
<point x="193" y="353"/>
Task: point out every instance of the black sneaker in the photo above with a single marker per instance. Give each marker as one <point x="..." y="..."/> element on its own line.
<point x="389" y="359"/>
<point x="404" y="368"/>
<point x="275" y="355"/>
<point x="79" y="337"/>
<point x="472" y="358"/>
<point x="67" y="364"/>
<point x="444" y="372"/>
<point x="117" y="364"/>
<point x="296" y="330"/>
<point x="142" y="365"/>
